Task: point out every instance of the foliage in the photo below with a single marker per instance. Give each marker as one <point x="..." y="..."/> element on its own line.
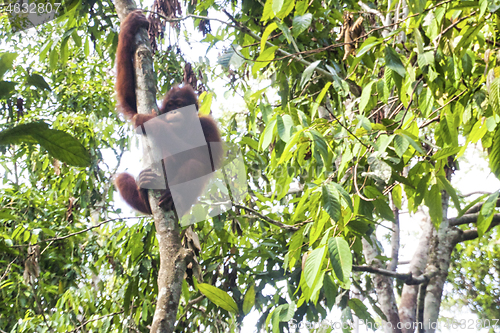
<point x="332" y="148"/>
<point x="475" y="279"/>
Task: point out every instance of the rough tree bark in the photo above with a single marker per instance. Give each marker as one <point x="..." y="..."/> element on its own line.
<point x="408" y="305"/>
<point x="173" y="257"/>
<point x="384" y="288"/>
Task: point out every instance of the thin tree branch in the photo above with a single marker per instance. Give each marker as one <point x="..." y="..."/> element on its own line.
<point x="473" y="193"/>
<point x="180" y="19"/>
<point x="269" y="220"/>
<point x="55" y="239"/>
<point x="477" y="207"/>
<point x="422" y="291"/>
<point x="7" y="269"/>
<point x="367" y="9"/>
<point x="470" y="218"/>
<point x="407" y="278"/>
<point x="441" y="107"/>
<point x="306" y="63"/>
<point x="395" y="238"/>
<point x="347" y="129"/>
<point x="95" y="319"/>
<point x="473" y="234"/>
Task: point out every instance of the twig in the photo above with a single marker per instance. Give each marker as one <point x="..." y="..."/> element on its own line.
<point x="409" y="103"/>
<point x="441" y="107"/>
<point x="279" y="224"/>
<point x="422" y="291"/>
<point x="473" y="233"/>
<point x="473" y="193"/>
<point x="286" y="54"/>
<point x="95" y="319"/>
<point x="454" y="24"/>
<point x="406" y="277"/>
<point x="477" y="207"/>
<point x="355" y="180"/>
<point x="55" y="239"/>
<point x="347" y="129"/>
<point x="372" y="11"/>
<point x="179" y="19"/>
<point x="7" y="269"/>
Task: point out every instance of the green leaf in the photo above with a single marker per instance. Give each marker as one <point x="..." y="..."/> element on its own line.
<point x="340" y="258"/>
<point x="419" y="41"/>
<point x="64" y="51"/>
<point x="301" y="23"/>
<point x="267" y="136"/>
<point x="320" y="146"/>
<point x="425" y="59"/>
<point x="225" y="58"/>
<point x="465" y="4"/>
<point x="59" y="144"/>
<point x="494" y="95"/>
<point x="478" y="131"/>
<point x="417" y="6"/>
<point x="269" y="29"/>
<point x="250" y="142"/>
<point x="393" y="61"/>
<point x="128" y="295"/>
<point x="219" y="297"/>
<point x="494" y="156"/>
<point x="331" y="202"/>
<point x="467" y="63"/>
<point x="319" y="99"/>
<point x="445" y="184"/>
<point x="412" y="142"/>
<point x="397" y="195"/>
<point x="445" y="153"/>
<point x="367" y="45"/>
<point x="360" y="310"/>
<point x="471" y="204"/>
<point x="6" y="62"/>
<point x="400" y="145"/>
<point x="268" y="12"/>
<point x="295" y="247"/>
<point x="313" y="265"/>
<point x="249" y="300"/>
<point x="486" y="214"/>
<point x="383" y="210"/>
<point x="287" y="153"/>
<point x="286" y="31"/>
<point x="330" y="291"/>
<point x="7" y="88"/>
<point x="86" y="47"/>
<point x="371" y="192"/>
<point x="38" y="81"/>
<point x="286" y="9"/>
<point x="493" y="6"/>
<point x="301" y="7"/>
<point x="206" y="104"/>
<point x="53" y="58"/>
<point x="277" y="4"/>
<point x="447" y="131"/>
<point x="264" y="59"/>
<point x="433" y="201"/>
<point x="6" y="215"/>
<point x="76" y="38"/>
<point x="285" y="127"/>
<point x="344" y="194"/>
<point x="365" y="96"/>
<point x="467" y="37"/>
<point x="306" y="76"/>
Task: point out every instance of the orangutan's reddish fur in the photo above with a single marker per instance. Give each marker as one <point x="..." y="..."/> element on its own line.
<point x="186" y="169"/>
